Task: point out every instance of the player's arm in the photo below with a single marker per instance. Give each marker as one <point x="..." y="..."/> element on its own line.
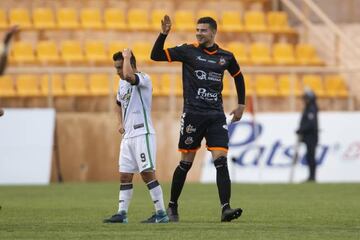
<point x="158" y="53"/>
<point x="7" y="39"/>
<point x="119" y="113"/>
<point x="129" y="73"/>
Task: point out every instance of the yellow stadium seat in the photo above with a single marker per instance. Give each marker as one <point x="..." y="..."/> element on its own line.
<point x="166" y="84"/>
<point x="27" y="85"/>
<point x="57" y="88"/>
<point x="287" y="87"/>
<point x="156" y="16"/>
<point x="3" y="20"/>
<point x="278" y="22"/>
<point x="7" y="88"/>
<point x="47" y="52"/>
<point x="115" y="19"/>
<point x="76" y="85"/>
<point x="255" y="21"/>
<point x="155" y="80"/>
<point x="99" y="84"/>
<point x="91" y="18"/>
<point x="184" y="20"/>
<point x="207" y="13"/>
<point x="239" y="51"/>
<point x="138" y="19"/>
<point x="314" y="82"/>
<point x="95" y="51"/>
<point x="20" y="17"/>
<point x="67" y="18"/>
<point x="283" y="54"/>
<point x="231" y="21"/>
<point x="335" y="86"/>
<point x="43" y="18"/>
<point x="116" y="46"/>
<point x="227" y="86"/>
<point x="142" y="51"/>
<point x="260" y="54"/>
<point x="265" y="85"/>
<point x="22" y="52"/>
<point x="306" y="55"/>
<point x="71" y="51"/>
<point x="178" y="85"/>
<point x="249" y="84"/>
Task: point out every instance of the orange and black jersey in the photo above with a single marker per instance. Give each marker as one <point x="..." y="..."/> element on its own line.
<point x="203" y="73"/>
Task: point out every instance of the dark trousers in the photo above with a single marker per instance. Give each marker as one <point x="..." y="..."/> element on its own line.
<point x="310" y="158"/>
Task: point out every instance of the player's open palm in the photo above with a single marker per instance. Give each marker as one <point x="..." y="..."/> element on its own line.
<point x="165" y="24"/>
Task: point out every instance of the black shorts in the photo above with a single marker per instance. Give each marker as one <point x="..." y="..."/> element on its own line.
<point x="194" y="127"/>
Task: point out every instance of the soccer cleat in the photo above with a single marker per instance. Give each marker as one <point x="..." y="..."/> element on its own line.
<point x="173" y="214"/>
<point x="120" y="217"/>
<point x="159" y="217"/>
<point x="229" y="214"/>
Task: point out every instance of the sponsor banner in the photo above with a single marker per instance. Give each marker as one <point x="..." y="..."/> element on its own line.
<point x="26" y="141"/>
<point x="261" y="150"/>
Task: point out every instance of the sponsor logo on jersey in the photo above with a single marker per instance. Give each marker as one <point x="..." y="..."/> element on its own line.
<point x="222" y="61"/>
<point x="214" y="76"/>
<point x="190" y="129"/>
<point x="136" y="126"/>
<point x="199" y="58"/>
<point x="189" y="140"/>
<point x="200" y="74"/>
<point x="202" y="93"/>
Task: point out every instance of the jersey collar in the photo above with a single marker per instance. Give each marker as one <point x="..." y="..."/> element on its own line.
<point x="211" y="50"/>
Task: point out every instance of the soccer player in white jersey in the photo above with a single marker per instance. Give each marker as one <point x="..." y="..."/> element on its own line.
<point x="138" y="146"/>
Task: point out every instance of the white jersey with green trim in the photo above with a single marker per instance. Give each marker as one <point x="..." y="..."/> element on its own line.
<point x="135" y="103"/>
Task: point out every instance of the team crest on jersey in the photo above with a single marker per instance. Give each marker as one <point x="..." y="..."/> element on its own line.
<point x="189" y="141"/>
<point x="190" y="129"/>
<point x="222" y="61"/>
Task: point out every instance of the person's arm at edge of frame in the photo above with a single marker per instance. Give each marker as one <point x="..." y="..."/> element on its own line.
<point x="158" y="53"/>
<point x="240" y="89"/>
<point x="7" y="39"/>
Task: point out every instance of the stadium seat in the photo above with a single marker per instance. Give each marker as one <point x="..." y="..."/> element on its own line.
<point x="314" y="82"/>
<point x="178" y="85"/>
<point x="22" y="52"/>
<point x="56" y="85"/>
<point x="156" y="16"/>
<point x="207" y="13"/>
<point x="115" y="19"/>
<point x="283" y="54"/>
<point x="227" y="86"/>
<point x="142" y="51"/>
<point x="67" y="18"/>
<point x="99" y="84"/>
<point x="239" y="51"/>
<point x="286" y="87"/>
<point x="249" y="84"/>
<point x="335" y="86"/>
<point x="27" y="85"/>
<point x="165" y="84"/>
<point x="138" y="19"/>
<point x="231" y="21"/>
<point x="95" y="51"/>
<point x="260" y="54"/>
<point x="47" y="52"/>
<point x="43" y="18"/>
<point x="116" y="46"/>
<point x="3" y="20"/>
<point x="306" y="55"/>
<point x="71" y="51"/>
<point x="76" y="85"/>
<point x="20" y="17"/>
<point x="91" y="18"/>
<point x="255" y="21"/>
<point x="184" y="20"/>
<point x="7" y="88"/>
<point x="265" y="85"/>
<point x="155" y="80"/>
<point x="278" y="22"/>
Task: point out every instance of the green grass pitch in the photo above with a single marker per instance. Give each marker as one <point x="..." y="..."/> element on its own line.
<point x="76" y="211"/>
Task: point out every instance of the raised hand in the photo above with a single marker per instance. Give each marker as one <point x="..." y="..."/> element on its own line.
<point x="126" y="53"/>
<point x="9" y="34"/>
<point x="165" y="25"/>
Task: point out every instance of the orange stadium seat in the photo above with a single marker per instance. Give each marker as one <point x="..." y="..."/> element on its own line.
<point x="57" y="87"/>
<point x="335" y="86"/>
<point x="156" y="16"/>
<point x="207" y="13"/>
<point x="43" y="18"/>
<point x="27" y="85"/>
<point x="3" y="20"/>
<point x="239" y="51"/>
<point x="265" y="85"/>
<point x="7" y="88"/>
<point x="71" y="51"/>
<point x="142" y="51"/>
<point x="76" y="85"/>
<point x="90" y="18"/>
<point x="99" y="84"/>
<point x="114" y="19"/>
<point x="138" y="19"/>
<point x="283" y="54"/>
<point x="231" y="21"/>
<point x="287" y="87"/>
<point x="67" y="18"/>
<point x="306" y="55"/>
<point x="184" y="20"/>
<point x="22" y="52"/>
<point x="255" y="21"/>
<point x="278" y="22"/>
<point x="260" y="54"/>
<point x="20" y="17"/>
<point x="95" y="51"/>
<point x="314" y="82"/>
<point x="47" y="52"/>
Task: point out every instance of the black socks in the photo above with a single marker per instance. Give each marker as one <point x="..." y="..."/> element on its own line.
<point x="223" y="181"/>
<point x="178" y="181"/>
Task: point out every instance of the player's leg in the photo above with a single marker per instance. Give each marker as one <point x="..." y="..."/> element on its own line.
<point x="310" y="158"/>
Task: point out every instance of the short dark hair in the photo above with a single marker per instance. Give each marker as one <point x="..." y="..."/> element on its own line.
<point x="118" y="56"/>
<point x="209" y="20"/>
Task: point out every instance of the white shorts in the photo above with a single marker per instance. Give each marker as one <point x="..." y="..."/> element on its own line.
<point x="137" y="154"/>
